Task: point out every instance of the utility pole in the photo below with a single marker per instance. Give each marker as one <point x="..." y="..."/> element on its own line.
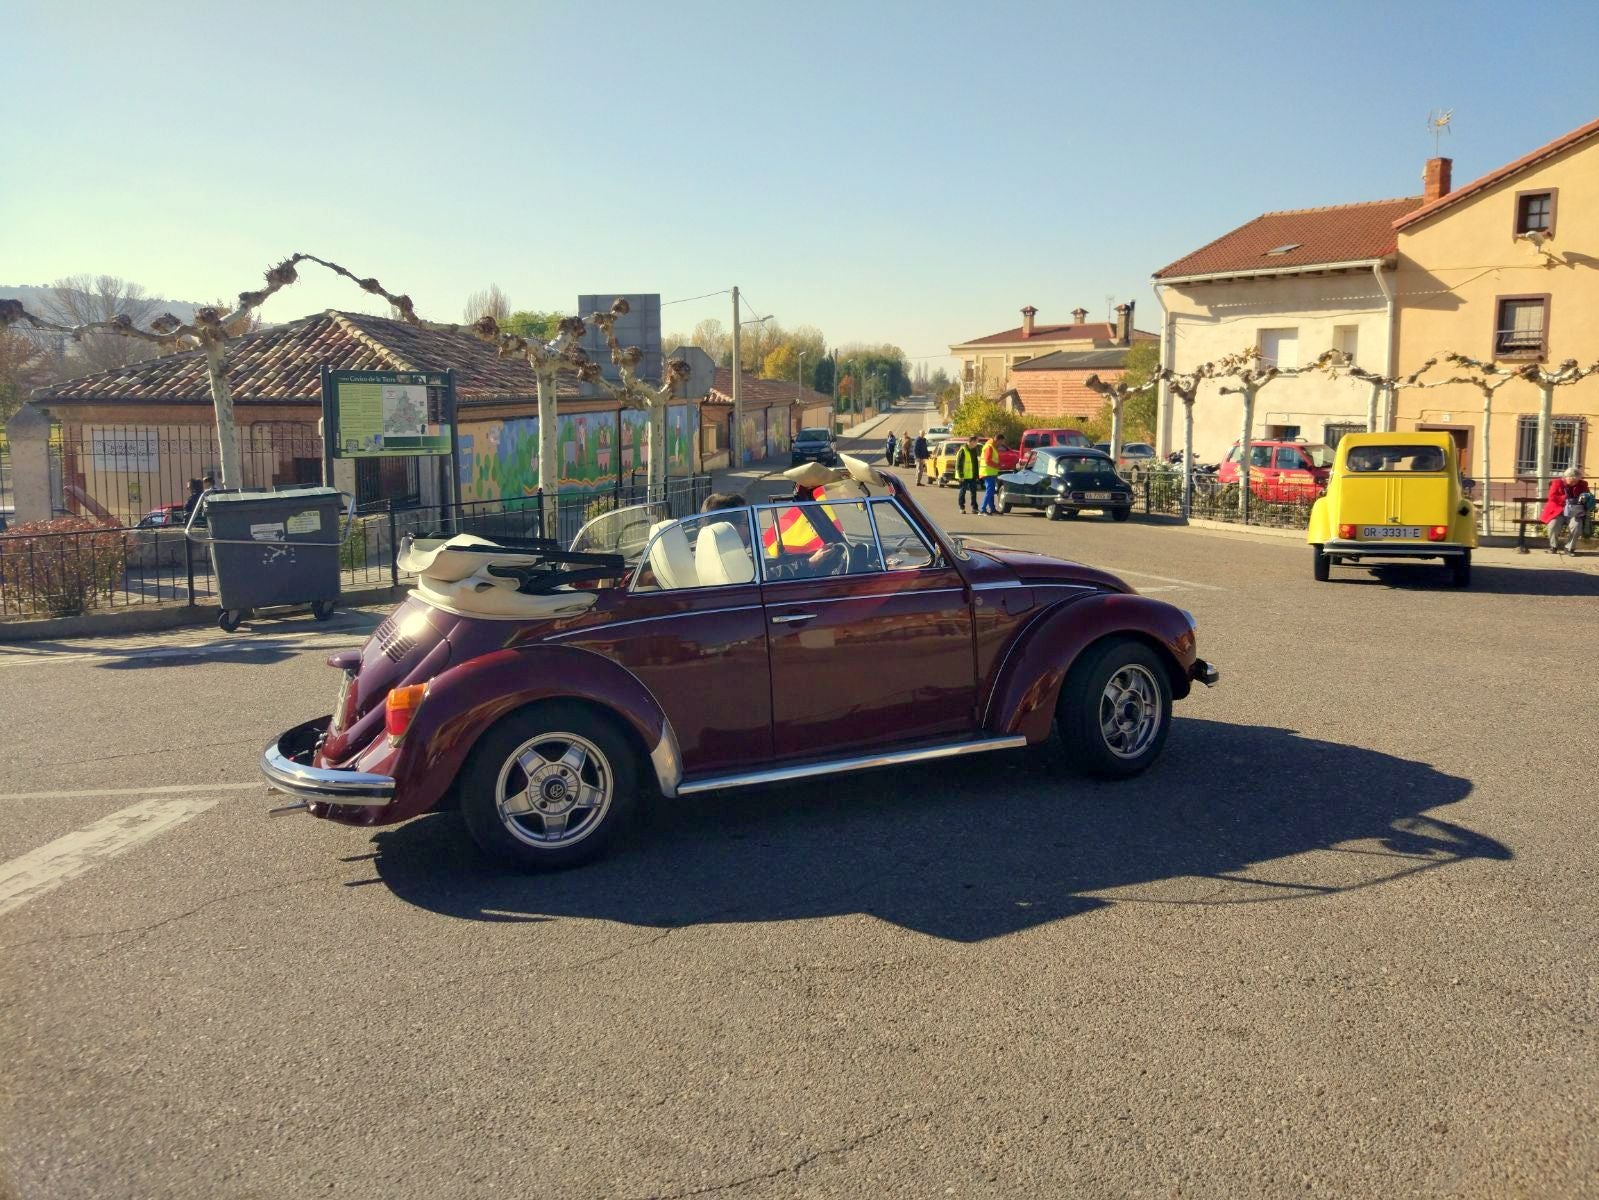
<point x="735" y="433"/>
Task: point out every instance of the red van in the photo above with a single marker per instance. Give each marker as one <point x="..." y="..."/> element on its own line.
<point x="1033" y="439"/>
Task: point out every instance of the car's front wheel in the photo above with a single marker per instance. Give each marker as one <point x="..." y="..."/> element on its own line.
<point x="550" y="786"/>
<point x="1052" y="511"/>
<point x="1114" y="709"/>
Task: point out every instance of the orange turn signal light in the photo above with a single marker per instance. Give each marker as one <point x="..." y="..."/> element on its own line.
<point x="400" y="707"/>
<point x="1346" y="531"/>
<point x="1437" y="533"/>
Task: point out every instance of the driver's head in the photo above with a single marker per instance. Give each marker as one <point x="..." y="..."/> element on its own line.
<point x="717" y="501"/>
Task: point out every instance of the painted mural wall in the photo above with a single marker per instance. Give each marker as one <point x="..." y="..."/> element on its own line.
<point x="500" y="459"/>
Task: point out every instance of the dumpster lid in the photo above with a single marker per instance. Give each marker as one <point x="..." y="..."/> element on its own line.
<point x="288" y="495"/>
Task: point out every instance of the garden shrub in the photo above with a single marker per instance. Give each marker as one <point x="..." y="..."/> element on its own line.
<point x="62" y="567"/>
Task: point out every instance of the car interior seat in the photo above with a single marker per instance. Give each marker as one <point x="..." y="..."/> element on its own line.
<point x="720" y="556"/>
<point x="671" y="557"/>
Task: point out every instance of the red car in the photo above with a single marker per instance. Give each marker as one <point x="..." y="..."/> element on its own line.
<point x="1033" y="439"/>
<point x="549" y="692"/>
<point x="1281" y="471"/>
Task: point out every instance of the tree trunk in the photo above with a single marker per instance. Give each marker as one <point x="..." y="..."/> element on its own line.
<point x="1243" y="452"/>
<point x="1546" y="431"/>
<point x="549" y="455"/>
<point x="1486" y="495"/>
<point x="227" y="431"/>
<point x="1188" y="455"/>
<point x="1116" y="430"/>
<point x="658" y="460"/>
<point x="1371" y="408"/>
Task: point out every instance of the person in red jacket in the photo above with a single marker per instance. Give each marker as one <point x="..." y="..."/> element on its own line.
<point x="1563" y="514"/>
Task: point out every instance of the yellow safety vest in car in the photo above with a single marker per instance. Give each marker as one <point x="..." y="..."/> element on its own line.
<point x="990" y="460"/>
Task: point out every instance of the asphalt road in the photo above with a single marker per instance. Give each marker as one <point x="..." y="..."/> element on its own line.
<point x="1340" y="940"/>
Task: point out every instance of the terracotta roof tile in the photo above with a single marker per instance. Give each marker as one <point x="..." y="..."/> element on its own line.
<point x="761" y="393"/>
<point x="1341" y="233"/>
<point x="1505" y="172"/>
<point x="283" y="365"/>
<point x="1093" y="331"/>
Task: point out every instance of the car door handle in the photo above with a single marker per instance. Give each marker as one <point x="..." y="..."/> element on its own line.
<point x="784" y="620"/>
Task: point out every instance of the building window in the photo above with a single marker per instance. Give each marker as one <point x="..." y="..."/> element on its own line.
<point x="1521" y="326"/>
<point x="1279" y="348"/>
<point x="1535" y="210"/>
<point x="1333" y="434"/>
<point x="1566" y="444"/>
<point x="1346" y="340"/>
<point x="1282" y="433"/>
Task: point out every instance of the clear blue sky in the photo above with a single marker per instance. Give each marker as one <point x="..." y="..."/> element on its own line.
<point x="904" y="172"/>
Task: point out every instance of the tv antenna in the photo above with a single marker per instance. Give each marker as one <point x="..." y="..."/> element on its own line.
<point x="1438" y="125"/>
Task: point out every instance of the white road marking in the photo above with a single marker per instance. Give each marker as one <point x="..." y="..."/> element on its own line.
<point x="164" y="789"/>
<point x="47" y="868"/>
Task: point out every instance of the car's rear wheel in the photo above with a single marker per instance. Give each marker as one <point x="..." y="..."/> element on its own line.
<point x="1321" y="564"/>
<point x="1114" y="709"/>
<point x="1070" y="514"/>
<point x="1120" y="514"/>
<point x="550" y="786"/>
<point x="1004" y="503"/>
<point x="1460" y="570"/>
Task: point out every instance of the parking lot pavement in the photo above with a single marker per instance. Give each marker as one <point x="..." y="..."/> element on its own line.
<point x="1338" y="940"/>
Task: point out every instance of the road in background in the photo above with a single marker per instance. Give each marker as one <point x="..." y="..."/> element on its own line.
<point x="1339" y="939"/>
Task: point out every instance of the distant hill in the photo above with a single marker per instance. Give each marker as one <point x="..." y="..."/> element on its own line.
<point x="33" y="298"/>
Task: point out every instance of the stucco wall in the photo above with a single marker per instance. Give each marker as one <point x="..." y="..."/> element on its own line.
<point x="1455" y="265"/>
<point x="1213" y="320"/>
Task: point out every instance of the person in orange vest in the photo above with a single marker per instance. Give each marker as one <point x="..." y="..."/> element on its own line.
<point x="988" y="470"/>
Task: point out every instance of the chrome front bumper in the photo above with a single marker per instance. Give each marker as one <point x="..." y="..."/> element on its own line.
<point x="286" y="765"/>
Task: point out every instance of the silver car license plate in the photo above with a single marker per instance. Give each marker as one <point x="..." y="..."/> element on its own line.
<point x="1098" y="496"/>
<point x="1390" y="531"/>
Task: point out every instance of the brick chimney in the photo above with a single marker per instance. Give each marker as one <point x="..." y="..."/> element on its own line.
<point x="1079" y="316"/>
<point x="1435" y="179"/>
<point x="1124" y="324"/>
<point x="1028" y="314"/>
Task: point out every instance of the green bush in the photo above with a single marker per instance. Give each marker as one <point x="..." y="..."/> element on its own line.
<point x="63" y="576"/>
<point x="985" y="418"/>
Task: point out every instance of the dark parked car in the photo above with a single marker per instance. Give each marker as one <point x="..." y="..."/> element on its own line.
<point x="1063" y="481"/>
<point x="548" y="692"/>
<point x="813" y="445"/>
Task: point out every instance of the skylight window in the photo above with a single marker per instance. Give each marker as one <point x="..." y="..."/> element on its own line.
<point x="1284" y="249"/>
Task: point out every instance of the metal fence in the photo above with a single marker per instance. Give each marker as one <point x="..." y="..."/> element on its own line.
<point x="8" y="503"/>
<point x="80" y="565"/>
<point x="1505" y="507"/>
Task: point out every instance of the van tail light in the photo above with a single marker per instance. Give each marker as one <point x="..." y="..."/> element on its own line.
<point x="400" y="707"/>
<point x="1437" y="533"/>
<point x="1346" y="531"/>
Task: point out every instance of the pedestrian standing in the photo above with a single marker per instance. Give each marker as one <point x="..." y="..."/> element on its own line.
<point x="988" y="469"/>
<point x="1567" y="507"/>
<point x="966" y="464"/>
<point x="921" y="458"/>
<point x="888" y="450"/>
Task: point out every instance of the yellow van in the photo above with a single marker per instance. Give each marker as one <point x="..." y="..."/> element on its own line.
<point x="1394" y="496"/>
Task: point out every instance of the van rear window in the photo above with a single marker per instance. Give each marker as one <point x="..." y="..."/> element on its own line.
<point x="1397" y="457"/>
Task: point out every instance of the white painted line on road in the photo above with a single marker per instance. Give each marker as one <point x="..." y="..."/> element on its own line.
<point x="47" y="868"/>
<point x="164" y="789"/>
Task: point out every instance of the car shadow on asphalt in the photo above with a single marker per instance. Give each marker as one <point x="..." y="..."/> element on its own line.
<point x="978" y="848"/>
<point x="1492" y="581"/>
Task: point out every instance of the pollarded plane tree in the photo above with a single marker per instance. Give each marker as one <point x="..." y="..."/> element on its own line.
<point x="1488" y="377"/>
<point x="1116" y="394"/>
<point x="1250" y="373"/>
<point x="1185" y="386"/>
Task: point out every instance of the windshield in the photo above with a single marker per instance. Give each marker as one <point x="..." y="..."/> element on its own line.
<point x="623" y="531"/>
<point x="1397" y="457"/>
<point x="811" y="435"/>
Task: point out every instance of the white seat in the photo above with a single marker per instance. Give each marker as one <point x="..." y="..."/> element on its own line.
<point x="721" y="557"/>
<point x="671" y="557"/>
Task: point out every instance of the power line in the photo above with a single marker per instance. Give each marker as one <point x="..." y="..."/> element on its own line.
<point x="706" y="296"/>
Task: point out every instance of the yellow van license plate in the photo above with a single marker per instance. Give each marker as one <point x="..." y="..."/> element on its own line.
<point x="1390" y="531"/>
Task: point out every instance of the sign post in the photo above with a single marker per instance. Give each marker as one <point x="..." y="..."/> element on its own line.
<point x="390" y="414"/>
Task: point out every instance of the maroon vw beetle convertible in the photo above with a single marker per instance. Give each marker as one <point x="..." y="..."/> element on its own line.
<point x="545" y="689"/>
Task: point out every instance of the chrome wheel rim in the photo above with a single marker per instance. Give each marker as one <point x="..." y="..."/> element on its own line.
<point x="554" y="790"/>
<point x="1130" y="711"/>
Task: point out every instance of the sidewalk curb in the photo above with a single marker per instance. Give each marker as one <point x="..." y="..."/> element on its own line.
<point x="158" y="617"/>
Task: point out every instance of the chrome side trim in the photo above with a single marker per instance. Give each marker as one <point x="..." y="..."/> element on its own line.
<point x="609" y="625"/>
<point x="321" y="784"/>
<point x="865" y="596"/>
<point x="838" y="766"/>
<point x="995" y="587"/>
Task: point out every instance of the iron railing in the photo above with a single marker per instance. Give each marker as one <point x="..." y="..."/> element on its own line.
<point x="52" y="570"/>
